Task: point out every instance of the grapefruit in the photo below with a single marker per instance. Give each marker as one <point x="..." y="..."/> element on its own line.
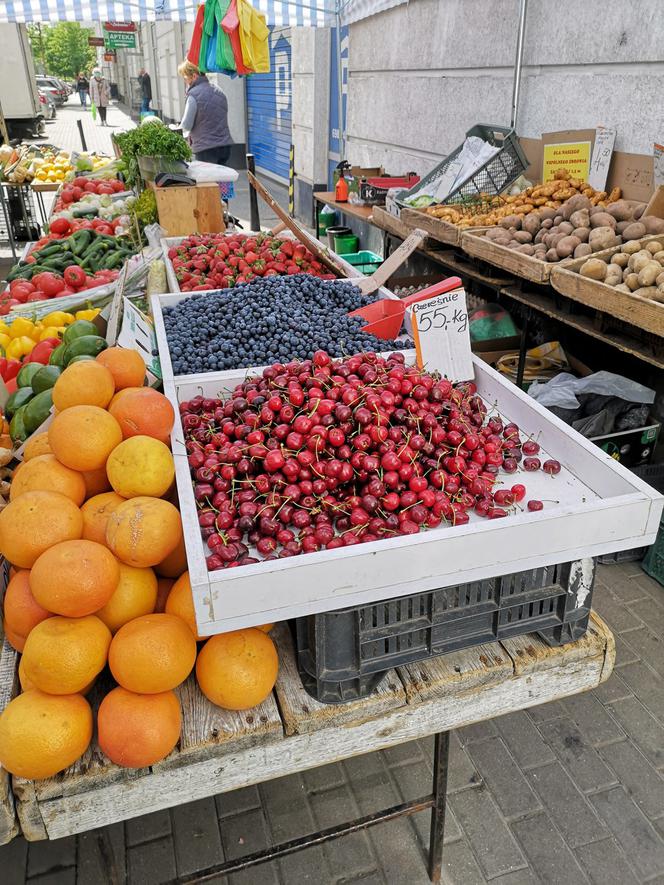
<point x="125" y="365"/>
<point x="75" y="578"/>
<point x="141" y="465"/>
<point x="137" y="730"/>
<point x="180" y="603"/>
<point x="237" y="670"/>
<point x="36" y="521"/>
<point x="36" y="445"/>
<point x="143" y="531"/>
<point x="21" y="609"/>
<point x="135" y="595"/>
<point x="175" y="563"/>
<point x="46" y="473"/>
<point x="142" y="411"/>
<point x="63" y="655"/>
<point x="82" y="437"/>
<point x="95" y="513"/>
<point x="152" y="654"/>
<point x="85" y="383"/>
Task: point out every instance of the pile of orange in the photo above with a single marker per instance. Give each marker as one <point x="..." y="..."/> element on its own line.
<point x="100" y="579"/>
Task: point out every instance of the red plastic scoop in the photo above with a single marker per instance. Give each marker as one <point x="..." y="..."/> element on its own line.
<point x="384" y="318"/>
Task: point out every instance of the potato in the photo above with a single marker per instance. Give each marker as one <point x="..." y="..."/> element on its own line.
<point x="531" y="223"/>
<point x="602" y="238"/>
<point x="614" y="270"/>
<point x="647" y="292"/>
<point x="546" y="213"/>
<point x="539" y="236"/>
<point x="659" y="279"/>
<point x="525" y="249"/>
<point x="565" y="227"/>
<point x="582" y="250"/>
<point x="580" y="218"/>
<point x="621" y="259"/>
<point x="623" y="288"/>
<point x="632" y="247"/>
<point x="634" y="231"/>
<point x="522" y="236"/>
<point x="638" y="210"/>
<point x="653" y="225"/>
<point x="511" y="221"/>
<point x="503" y="241"/>
<point x="621" y="211"/>
<point x="578" y="201"/>
<point x="653" y="246"/>
<point x="551" y="255"/>
<point x="494" y="232"/>
<point x="594" y="269"/>
<point x="582" y="233"/>
<point x="595" y="210"/>
<point x="639" y="260"/>
<point x="602" y="219"/>
<point x="566" y="246"/>
<point x="632" y="281"/>
<point x="623" y="225"/>
<point x="649" y="273"/>
<point x="547" y="223"/>
<point x="558" y="219"/>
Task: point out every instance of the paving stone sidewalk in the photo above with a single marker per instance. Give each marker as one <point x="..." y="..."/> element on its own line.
<point x="570" y="792"/>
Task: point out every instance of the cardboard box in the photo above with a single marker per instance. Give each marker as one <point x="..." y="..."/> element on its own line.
<point x="633" y="448"/>
<point x="355" y="175"/>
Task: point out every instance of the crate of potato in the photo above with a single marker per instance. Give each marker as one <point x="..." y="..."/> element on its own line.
<point x="532" y="244"/>
<point x="445" y="224"/>
<point x="626" y="281"/>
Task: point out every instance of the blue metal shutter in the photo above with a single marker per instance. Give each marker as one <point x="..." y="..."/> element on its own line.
<point x="269" y="109"/>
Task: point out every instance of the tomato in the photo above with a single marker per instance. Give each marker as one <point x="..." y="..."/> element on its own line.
<point x="81" y="181"/>
<point x="60" y="226"/>
<point x="75" y="276"/>
<point x="90" y="187"/>
<point x="50" y="283"/>
<point x="118" y="186"/>
<point x="105" y="189"/>
<point x="18" y="284"/>
<point x="38" y="296"/>
<point x="67" y="195"/>
<point x="12" y="369"/>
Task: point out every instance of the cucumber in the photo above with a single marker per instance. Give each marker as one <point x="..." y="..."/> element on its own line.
<point x="80" y="359"/>
<point x="19" y="398"/>
<point x="17" y="429"/>
<point x="26" y="373"/>
<point x="78" y="329"/>
<point x="57" y="355"/>
<point x="36" y="411"/>
<point x="45" y="378"/>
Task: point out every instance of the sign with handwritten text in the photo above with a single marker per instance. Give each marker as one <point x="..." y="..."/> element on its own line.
<point x="658" y="158"/>
<point x="601" y="158"/>
<point x="442" y="335"/>
<point x="572" y="156"/>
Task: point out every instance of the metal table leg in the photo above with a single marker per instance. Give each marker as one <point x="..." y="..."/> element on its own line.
<point x="521" y="367"/>
<point x="8" y="220"/>
<point x="435" y="801"/>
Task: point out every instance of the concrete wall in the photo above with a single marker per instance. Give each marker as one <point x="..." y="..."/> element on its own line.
<point x="423" y="73"/>
<point x="310" y="72"/>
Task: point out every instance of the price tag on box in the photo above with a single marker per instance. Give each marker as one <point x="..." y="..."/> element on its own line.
<point x="442" y="335"/>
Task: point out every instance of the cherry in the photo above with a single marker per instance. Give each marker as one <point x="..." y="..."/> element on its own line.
<point x="551" y="466"/>
<point x="531" y="464"/>
<point x="519" y="491"/>
<point x="534" y="505"/>
<point x="530" y="447"/>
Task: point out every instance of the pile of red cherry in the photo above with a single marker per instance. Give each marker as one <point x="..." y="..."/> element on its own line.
<point x="322" y="454"/>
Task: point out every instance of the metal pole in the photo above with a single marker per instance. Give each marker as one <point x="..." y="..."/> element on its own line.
<point x="79" y="123"/>
<point x="340" y="89"/>
<point x="441" y="757"/>
<point x="523" y="12"/>
<point x="255" y="222"/>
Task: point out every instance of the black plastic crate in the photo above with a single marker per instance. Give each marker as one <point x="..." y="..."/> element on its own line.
<point x="653" y="474"/>
<point x="343" y="655"/>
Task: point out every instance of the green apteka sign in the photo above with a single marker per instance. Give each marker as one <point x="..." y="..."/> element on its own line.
<point x="120" y="40"/>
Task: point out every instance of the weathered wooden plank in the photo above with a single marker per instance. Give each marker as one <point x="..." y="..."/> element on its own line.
<point x="456" y="673"/>
<point x="526" y="266"/>
<point x="303" y="714"/>
<point x="641" y="312"/>
<point x="8" y="689"/>
<point x="531" y="653"/>
<point x="569" y="674"/>
<point x="28" y="810"/>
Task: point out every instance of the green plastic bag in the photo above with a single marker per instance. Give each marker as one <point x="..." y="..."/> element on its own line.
<point x="93" y="110"/>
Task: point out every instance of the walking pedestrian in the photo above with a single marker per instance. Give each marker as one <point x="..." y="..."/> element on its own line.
<point x="99" y="94"/>
<point x="146" y="90"/>
<point x="205" y="118"/>
<point x="83" y="87"/>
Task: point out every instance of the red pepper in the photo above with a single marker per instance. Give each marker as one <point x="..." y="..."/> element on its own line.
<point x="11" y="385"/>
<point x="12" y="369"/>
<point x="42" y="351"/>
<point x="3" y="367"/>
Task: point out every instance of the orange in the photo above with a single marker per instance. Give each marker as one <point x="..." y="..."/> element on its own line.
<point x="36" y="521"/>
<point x="237" y="670"/>
<point x="96" y="481"/>
<point x="163" y="589"/>
<point x="135" y="595"/>
<point x="82" y="437"/>
<point x="22" y="611"/>
<point x="75" y="578"/>
<point x="143" y="411"/>
<point x="125" y="365"/>
<point x="180" y="602"/>
<point x="45" y="472"/>
<point x="141" y="465"/>
<point x="143" y="531"/>
<point x="137" y="730"/>
<point x="87" y="383"/>
<point x="16" y="640"/>
<point x="95" y="515"/>
<point x="41" y="734"/>
<point x="62" y="655"/>
<point x="174" y="564"/>
<point x="36" y="445"/>
<point x="26" y="685"/>
<point x="151" y="654"/>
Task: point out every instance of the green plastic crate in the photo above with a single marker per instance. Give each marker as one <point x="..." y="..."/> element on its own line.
<point x="653" y="563"/>
<point x="365" y="261"/>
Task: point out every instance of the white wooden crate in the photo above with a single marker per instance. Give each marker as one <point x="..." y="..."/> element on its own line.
<point x="602" y="508"/>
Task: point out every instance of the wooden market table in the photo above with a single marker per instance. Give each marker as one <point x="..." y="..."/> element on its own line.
<point x="290" y="732"/>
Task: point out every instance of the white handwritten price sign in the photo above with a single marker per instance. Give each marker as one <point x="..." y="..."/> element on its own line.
<point x="601" y="158"/>
<point x="442" y="336"/>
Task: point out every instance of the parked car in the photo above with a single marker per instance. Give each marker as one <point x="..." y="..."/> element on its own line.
<point x="47" y="103"/>
<point x="53" y="88"/>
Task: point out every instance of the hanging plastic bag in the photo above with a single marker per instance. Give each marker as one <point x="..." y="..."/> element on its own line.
<point x="194" y="52"/>
<point x="254" y="36"/>
<point x="231" y="26"/>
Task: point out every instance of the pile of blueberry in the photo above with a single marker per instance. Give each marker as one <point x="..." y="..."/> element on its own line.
<point x="267" y="321"/>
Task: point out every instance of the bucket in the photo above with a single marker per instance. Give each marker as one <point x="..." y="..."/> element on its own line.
<point x="345" y="243"/>
<point x="336" y="231"/>
<point x="326" y="219"/>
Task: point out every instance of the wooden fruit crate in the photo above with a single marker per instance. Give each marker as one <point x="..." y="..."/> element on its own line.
<point x="641" y="312"/>
<point x="190" y="210"/>
<point x="475" y="243"/>
<point x="439" y="229"/>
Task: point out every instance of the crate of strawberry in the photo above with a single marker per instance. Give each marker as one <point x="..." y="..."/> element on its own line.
<point x="220" y="261"/>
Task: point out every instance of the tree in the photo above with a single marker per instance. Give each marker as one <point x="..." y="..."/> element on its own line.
<point x="62" y="50"/>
